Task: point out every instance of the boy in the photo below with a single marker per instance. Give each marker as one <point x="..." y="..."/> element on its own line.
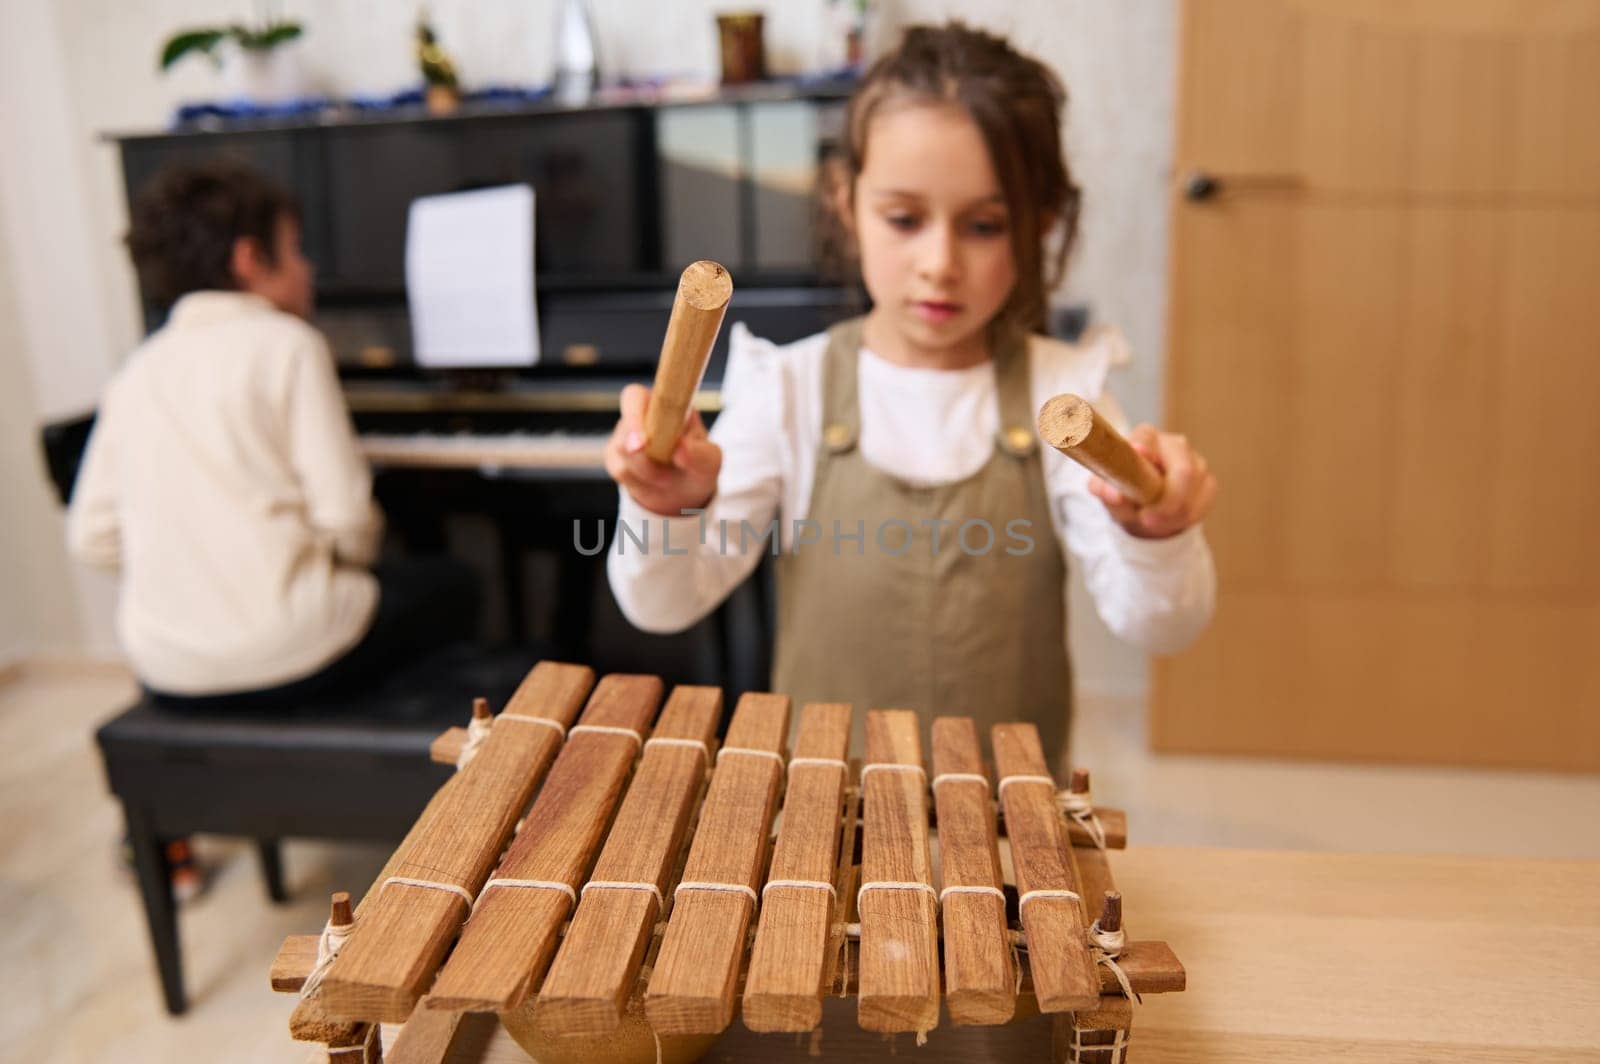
<point x="223" y="477"/>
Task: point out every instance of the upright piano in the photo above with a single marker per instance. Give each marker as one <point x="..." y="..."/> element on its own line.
<point x="498" y="465"/>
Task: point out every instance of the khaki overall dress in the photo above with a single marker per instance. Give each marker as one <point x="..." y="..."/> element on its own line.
<point x="912" y="614"/>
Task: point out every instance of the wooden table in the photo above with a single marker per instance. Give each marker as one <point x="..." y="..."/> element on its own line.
<point x="1300" y="957"/>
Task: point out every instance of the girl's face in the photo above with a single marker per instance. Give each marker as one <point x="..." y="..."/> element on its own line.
<point x="934" y="235"/>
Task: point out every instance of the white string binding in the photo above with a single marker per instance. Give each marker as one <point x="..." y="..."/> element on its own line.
<point x="478" y="729"/>
<point x="828" y="762"/>
<point x="1047" y="893"/>
<point x="973" y="889"/>
<point x="959" y="777"/>
<point x="1016" y="965"/>
<point x="428" y="884"/>
<point x="617" y="884"/>
<point x="1107" y="948"/>
<point x="523" y="718"/>
<point x="748" y="751"/>
<point x="889" y="766"/>
<point x="1049" y="781"/>
<point x="1117" y="1046"/>
<point x="1076" y="805"/>
<point x="891" y="884"/>
<point x="366" y="1044"/>
<point x="727" y="888"/>
<point x="529" y="884"/>
<point x="1080" y="807"/>
<point x="329" y="943"/>
<point x="607" y="729"/>
<point x="693" y="744"/>
<point x="807" y="884"/>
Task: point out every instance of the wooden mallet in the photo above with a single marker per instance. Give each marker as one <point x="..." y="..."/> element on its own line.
<point x="1076" y="429"/>
<point x="703" y="294"/>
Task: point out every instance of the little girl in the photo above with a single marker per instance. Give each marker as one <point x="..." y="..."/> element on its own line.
<point x="922" y="526"/>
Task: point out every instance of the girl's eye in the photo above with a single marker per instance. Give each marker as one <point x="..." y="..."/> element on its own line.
<point x="988" y="227"/>
<point x="904" y="222"/>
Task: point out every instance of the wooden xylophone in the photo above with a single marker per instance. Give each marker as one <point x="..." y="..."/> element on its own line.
<point x="659" y="883"/>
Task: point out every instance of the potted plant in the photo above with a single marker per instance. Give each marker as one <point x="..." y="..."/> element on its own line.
<point x="253" y="58"/>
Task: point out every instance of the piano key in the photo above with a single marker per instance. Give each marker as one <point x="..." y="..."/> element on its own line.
<point x="549" y="397"/>
<point x="517" y="450"/>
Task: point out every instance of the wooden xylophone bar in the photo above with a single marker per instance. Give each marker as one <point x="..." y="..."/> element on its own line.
<point x="516" y="922"/>
<point x="459" y="835"/>
<point x="980" y="976"/>
<point x="679" y="925"/>
<point x="794" y="943"/>
<point x="696" y="974"/>
<point x="1049" y="900"/>
<point x="898" y="988"/>
<point x="588" y="985"/>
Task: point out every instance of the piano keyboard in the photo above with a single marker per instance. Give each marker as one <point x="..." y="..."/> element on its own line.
<point x="517" y="450"/>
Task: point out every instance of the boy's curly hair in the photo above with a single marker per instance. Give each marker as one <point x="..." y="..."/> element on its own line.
<point x="1016" y="102"/>
<point x="185" y="220"/>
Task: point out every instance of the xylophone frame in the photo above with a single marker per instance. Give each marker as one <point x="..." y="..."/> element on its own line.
<point x="1090" y="1033"/>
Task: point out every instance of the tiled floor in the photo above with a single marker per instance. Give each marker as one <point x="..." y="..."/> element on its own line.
<point x="78" y="983"/>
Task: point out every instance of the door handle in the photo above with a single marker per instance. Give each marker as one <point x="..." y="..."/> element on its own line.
<point x="1201" y="185"/>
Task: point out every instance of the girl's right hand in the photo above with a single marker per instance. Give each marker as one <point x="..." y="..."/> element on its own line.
<point x="687" y="484"/>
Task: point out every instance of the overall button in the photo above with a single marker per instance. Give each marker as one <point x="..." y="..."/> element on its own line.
<point x="838" y="436"/>
<point x="1018" y="440"/>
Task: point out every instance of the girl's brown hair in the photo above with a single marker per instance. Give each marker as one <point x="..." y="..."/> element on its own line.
<point x="1016" y="102"/>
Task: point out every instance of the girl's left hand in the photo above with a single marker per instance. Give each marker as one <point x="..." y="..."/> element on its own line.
<point x="1190" y="491"/>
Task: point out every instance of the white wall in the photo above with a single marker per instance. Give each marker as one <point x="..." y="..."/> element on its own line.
<point x="58" y="342"/>
<point x="79" y="68"/>
<point x="38" y="606"/>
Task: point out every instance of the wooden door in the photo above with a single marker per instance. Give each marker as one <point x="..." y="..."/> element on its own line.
<point x="1385" y="324"/>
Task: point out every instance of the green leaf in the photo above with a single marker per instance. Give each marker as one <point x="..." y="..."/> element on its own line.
<point x="185" y="41"/>
<point x="283" y="31"/>
<point x="266" y="38"/>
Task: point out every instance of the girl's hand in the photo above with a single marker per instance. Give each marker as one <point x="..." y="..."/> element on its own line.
<point x="667" y="490"/>
<point x="1190" y="491"/>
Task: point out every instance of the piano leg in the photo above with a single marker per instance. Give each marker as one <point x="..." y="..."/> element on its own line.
<point x="269" y="852"/>
<point x="514" y="574"/>
<point x="575" y="604"/>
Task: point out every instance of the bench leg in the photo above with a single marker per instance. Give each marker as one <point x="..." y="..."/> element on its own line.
<point x="160" y="909"/>
<point x="270" y="854"/>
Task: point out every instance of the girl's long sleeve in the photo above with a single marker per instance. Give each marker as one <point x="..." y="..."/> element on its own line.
<point x="669" y="571"/>
<point x="1157" y="594"/>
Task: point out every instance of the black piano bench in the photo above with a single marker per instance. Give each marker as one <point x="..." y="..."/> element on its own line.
<point x="354" y="767"/>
